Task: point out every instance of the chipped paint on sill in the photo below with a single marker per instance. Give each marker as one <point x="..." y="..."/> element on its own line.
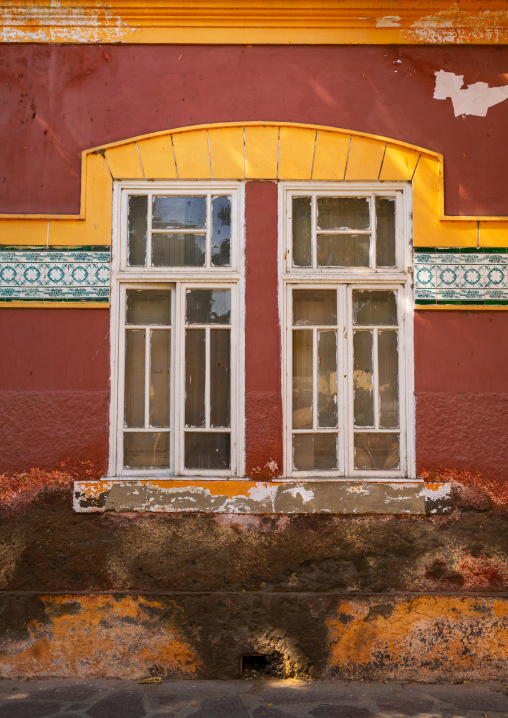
<point x="255" y="497"/>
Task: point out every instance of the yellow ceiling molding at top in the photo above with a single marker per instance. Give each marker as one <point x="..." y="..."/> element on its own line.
<point x="257" y="150"/>
<point x="249" y="22"/>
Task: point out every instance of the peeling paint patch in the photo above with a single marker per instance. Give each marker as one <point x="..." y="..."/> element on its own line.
<point x="472" y="99"/>
<point x="423" y="638"/>
<point x="388" y="21"/>
<point x="93" y="636"/>
<point x="456" y="26"/>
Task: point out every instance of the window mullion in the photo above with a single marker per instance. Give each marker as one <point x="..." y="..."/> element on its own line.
<point x="315" y="378"/>
<point x="147" y="376"/>
<point x="149" y="231"/>
<point x="207" y="377"/>
<point x="373" y="236"/>
<point x="313" y="224"/>
<point x="179" y="376"/>
<point x="375" y="375"/>
<point x="208" y="248"/>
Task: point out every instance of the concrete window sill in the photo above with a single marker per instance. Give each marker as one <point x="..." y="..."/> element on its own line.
<point x="259" y="497"/>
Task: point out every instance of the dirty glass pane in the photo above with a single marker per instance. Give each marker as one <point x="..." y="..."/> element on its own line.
<point x="195" y="359"/>
<point x="301" y="232"/>
<point x="374" y="307"/>
<point x="314" y="306"/>
<point x="160" y="359"/>
<point x="385" y="231"/>
<point x="327" y="379"/>
<point x="362" y="379"/>
<point x="137" y="228"/>
<point x="179" y="213"/>
<point x="343" y="213"/>
<point x="146" y="450"/>
<point x="221" y="231"/>
<point x="343" y="250"/>
<point x="220" y="377"/>
<point x="178" y="250"/>
<point x="134" y="378"/>
<point x="148" y="306"/>
<point x="377" y="451"/>
<point x="314" y="452"/>
<point x="302" y="379"/>
<point x="207" y="450"/>
<point x="208" y="306"/>
<point x="388" y="379"/>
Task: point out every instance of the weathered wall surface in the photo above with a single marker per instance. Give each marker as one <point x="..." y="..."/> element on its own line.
<point x="372" y="597"/>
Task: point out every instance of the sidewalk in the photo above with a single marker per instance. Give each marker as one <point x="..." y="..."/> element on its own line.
<point x="246" y="699"/>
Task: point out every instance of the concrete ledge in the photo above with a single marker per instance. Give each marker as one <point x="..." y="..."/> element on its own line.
<point x="256" y="497"/>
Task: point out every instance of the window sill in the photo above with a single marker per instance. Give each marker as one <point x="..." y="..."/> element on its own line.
<point x="256" y="497"/>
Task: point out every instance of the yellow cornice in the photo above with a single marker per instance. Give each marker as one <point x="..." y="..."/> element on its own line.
<point x="256" y="21"/>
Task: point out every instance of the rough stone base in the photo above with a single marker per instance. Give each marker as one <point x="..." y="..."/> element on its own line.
<point x="424" y="638"/>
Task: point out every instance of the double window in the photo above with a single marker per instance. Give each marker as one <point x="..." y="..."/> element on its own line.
<point x="178" y="324"/>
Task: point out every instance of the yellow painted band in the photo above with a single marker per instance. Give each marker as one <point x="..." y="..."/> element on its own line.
<point x="271" y="151"/>
<point x="249" y="22"/>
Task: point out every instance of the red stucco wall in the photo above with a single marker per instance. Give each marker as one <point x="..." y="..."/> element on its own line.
<point x="61" y="100"/>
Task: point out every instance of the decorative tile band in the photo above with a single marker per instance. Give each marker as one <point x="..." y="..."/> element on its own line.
<point x="461" y="276"/>
<point x="54" y="274"/>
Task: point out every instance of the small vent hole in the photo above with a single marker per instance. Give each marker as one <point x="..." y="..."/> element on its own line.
<point x="259" y="666"/>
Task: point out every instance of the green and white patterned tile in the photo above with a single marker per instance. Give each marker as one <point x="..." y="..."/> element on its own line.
<point x="31" y="274"/>
<point x="9" y="274"/>
<point x="425" y="276"/>
<point x="496" y="276"/>
<point x="34" y="292"/>
<point x="472" y="276"/>
<point x="80" y="274"/>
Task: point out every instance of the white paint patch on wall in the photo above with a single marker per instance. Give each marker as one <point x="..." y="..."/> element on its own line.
<point x="472" y="99"/>
<point x="388" y="21"/>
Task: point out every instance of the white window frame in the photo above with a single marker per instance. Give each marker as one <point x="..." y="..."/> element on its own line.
<point x="178" y="279"/>
<point x="344" y="280"/>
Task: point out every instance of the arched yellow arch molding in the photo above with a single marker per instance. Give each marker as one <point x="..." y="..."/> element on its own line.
<point x="257" y="150"/>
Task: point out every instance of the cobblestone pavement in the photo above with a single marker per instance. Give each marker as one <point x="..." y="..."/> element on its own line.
<point x="246" y="699"/>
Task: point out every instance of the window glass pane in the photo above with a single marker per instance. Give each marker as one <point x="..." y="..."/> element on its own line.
<point x="302" y="379"/>
<point x="134" y="378"/>
<point x="148" y="306"/>
<point x="327" y="378"/>
<point x="137" y="223"/>
<point x="160" y="359"/>
<point x="207" y="450"/>
<point x="343" y="213"/>
<point x="374" y="307"/>
<point x="146" y="450"/>
<point x="301" y="232"/>
<point x="376" y="451"/>
<point x="220" y="377"/>
<point x="221" y="231"/>
<point x="179" y="213"/>
<point x="343" y="250"/>
<point x="195" y="359"/>
<point x="362" y="379"/>
<point x="208" y="306"/>
<point x="388" y="380"/>
<point x="385" y="231"/>
<point x="314" y="452"/>
<point x="314" y="306"/>
<point x="178" y="250"/>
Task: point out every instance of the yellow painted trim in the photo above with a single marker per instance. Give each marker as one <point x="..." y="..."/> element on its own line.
<point x="257" y="150"/>
<point x="41" y="304"/>
<point x="250" y="22"/>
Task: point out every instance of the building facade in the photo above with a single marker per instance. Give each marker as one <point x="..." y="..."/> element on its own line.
<point x="253" y="293"/>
